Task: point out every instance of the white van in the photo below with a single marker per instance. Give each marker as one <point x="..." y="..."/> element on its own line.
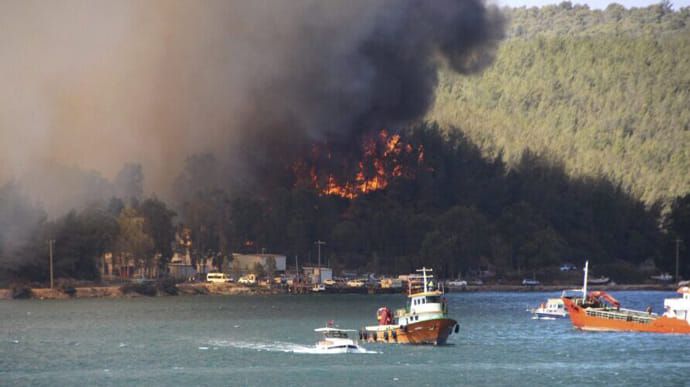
<point x="217" y="278"/>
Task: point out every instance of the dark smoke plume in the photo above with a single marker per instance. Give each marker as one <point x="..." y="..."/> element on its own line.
<point x="374" y="68"/>
<point x="97" y="84"/>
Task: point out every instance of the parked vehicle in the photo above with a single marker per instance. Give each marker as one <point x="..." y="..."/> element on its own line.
<point x="391" y="283"/>
<point x="568" y="267"/>
<point x="217" y="278"/>
<point x="249" y="279"/>
<point x="356" y="283"/>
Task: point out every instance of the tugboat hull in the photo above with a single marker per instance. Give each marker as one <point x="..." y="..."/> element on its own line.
<point x="433" y="332"/>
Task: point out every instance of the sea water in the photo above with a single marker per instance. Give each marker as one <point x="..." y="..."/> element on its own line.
<point x="269" y="341"/>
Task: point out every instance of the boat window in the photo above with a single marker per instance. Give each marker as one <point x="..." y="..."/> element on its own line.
<point x="434" y="299"/>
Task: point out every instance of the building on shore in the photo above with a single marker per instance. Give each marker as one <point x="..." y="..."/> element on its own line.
<point x="317" y="275"/>
<point x="180" y="267"/>
<point x="247" y="262"/>
<point x="113" y="267"/>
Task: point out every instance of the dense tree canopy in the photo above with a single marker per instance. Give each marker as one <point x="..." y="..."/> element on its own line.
<point x="603" y="92"/>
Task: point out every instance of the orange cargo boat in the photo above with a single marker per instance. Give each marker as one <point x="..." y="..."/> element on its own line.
<point x="599" y="311"/>
<point x="423" y="321"/>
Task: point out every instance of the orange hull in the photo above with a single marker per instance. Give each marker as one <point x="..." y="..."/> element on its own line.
<point x="608" y="319"/>
<point x="434" y="332"/>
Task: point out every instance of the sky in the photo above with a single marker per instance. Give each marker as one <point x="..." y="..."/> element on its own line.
<point x="594" y="4"/>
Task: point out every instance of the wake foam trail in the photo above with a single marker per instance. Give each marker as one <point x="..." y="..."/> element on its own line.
<point x="276" y="346"/>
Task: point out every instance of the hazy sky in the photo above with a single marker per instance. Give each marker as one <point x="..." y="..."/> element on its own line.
<point x="598" y="4"/>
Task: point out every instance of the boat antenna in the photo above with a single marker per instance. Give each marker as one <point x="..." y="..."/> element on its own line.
<point x="584" y="284"/>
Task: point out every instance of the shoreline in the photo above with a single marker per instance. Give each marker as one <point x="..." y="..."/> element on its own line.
<point x="211" y="289"/>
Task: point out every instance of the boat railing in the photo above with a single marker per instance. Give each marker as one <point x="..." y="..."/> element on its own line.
<point x="651" y="315"/>
<point x="617" y="315"/>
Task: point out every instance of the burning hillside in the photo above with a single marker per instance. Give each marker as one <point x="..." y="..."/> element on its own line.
<point x="383" y="157"/>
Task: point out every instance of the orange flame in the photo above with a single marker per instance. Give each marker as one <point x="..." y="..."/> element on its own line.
<point x="383" y="159"/>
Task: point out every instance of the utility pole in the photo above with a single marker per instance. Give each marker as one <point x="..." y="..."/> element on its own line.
<point x="50" y="248"/>
<point x="319" y="243"/>
<point x="677" y="254"/>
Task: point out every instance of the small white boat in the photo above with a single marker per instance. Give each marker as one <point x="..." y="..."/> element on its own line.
<point x="598" y="281"/>
<point x="335" y="340"/>
<point x="663" y="277"/>
<point x="553" y="308"/>
<point x="530" y="282"/>
<point x="319" y="288"/>
<point x="457" y="283"/>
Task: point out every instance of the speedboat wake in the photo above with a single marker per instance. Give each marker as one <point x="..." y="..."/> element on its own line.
<point x="277" y="346"/>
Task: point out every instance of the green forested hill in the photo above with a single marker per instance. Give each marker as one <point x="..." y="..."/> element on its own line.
<point x="607" y="93"/>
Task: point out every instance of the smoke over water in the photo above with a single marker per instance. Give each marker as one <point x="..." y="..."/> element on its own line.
<point x="92" y="85"/>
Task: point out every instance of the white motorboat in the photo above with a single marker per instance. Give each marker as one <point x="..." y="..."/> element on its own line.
<point x="336" y="340"/>
<point x="553" y="308"/>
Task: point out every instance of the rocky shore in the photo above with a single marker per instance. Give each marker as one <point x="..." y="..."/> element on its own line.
<point x="133" y="290"/>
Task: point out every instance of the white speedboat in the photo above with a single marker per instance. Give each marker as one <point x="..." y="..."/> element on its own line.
<point x="335" y="340"/>
<point x="553" y="308"/>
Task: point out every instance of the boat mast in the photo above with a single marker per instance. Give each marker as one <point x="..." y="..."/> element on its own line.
<point x="584" y="284"/>
<point x="424" y="270"/>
